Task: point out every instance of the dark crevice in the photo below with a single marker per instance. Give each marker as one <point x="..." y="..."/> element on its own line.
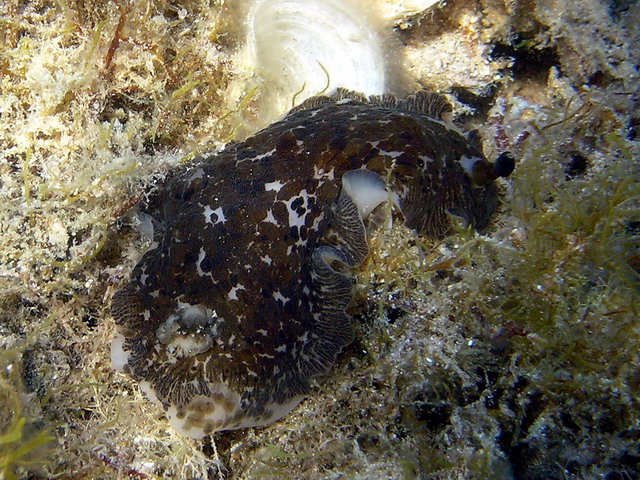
<point x="528" y="60"/>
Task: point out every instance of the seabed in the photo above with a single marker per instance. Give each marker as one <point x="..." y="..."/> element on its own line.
<point x="511" y="354"/>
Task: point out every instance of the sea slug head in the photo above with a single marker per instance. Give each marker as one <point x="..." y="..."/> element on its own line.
<point x="474" y="198"/>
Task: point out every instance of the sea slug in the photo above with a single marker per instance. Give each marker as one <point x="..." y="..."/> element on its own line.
<point x="241" y="299"/>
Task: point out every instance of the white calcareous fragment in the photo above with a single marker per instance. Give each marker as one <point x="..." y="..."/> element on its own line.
<point x="306" y="47"/>
<point x="119" y="357"/>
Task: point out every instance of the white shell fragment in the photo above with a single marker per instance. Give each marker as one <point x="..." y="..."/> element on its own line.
<point x="306" y="47"/>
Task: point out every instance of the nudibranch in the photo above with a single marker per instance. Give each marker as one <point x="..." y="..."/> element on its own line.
<point x="241" y="299"/>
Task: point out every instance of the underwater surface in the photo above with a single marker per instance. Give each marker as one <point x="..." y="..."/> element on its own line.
<point x="510" y="353"/>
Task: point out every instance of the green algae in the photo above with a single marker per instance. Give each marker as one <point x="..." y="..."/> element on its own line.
<point x="18" y="451"/>
<point x="25" y="441"/>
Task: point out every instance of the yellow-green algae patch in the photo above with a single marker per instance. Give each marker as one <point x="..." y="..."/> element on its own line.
<point x="97" y="99"/>
<point x="509" y="355"/>
<point x="24" y="442"/>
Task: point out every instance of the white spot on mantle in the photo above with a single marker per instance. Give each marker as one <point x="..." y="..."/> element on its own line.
<point x="270" y="218"/>
<point x="279" y="297"/>
<point x="234" y="290"/>
<point x="201" y="256"/>
<point x="273" y="186"/>
<point x="208" y="212"/>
